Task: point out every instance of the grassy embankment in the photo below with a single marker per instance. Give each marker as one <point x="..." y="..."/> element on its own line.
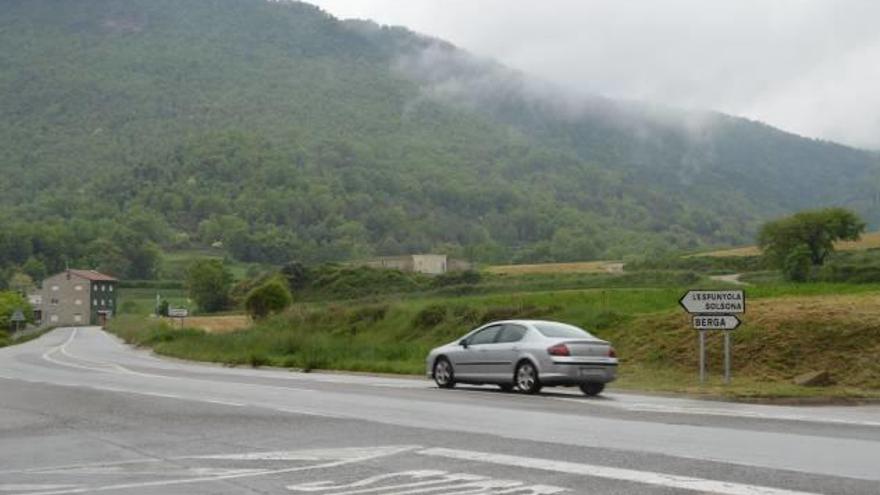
<point x="789" y="329"/>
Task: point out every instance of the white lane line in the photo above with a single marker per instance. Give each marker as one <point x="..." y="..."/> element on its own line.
<point x="644" y="477"/>
<point x="26" y="487"/>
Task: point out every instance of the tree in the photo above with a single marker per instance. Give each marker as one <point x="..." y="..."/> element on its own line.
<point x="798" y="265"/>
<point x="271" y="297"/>
<point x="208" y="283"/>
<point x="9" y="303"/>
<point x="816" y="231"/>
<point x="296" y="274"/>
<point x="162" y="310"/>
<point x="21" y="283"/>
<point x="35" y="269"/>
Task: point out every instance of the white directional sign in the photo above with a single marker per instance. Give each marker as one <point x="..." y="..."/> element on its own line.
<point x="178" y="313"/>
<point x="725" y="322"/>
<point x="714" y="302"/>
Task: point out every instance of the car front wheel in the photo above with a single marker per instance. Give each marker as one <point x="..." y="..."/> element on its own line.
<point x="592" y="389"/>
<point x="444" y="375"/>
<point x="527" y="380"/>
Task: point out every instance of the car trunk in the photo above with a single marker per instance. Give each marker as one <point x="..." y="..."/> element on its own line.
<point x="587" y="348"/>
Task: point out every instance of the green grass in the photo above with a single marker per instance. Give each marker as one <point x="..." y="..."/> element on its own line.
<point x="175" y="263"/>
<point x="142" y="302"/>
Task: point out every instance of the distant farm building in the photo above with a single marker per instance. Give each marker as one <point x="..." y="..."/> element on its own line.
<point x="430" y="264"/>
<point x="75" y="298"/>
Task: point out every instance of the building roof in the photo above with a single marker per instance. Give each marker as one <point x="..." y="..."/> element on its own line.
<point x="92" y="275"/>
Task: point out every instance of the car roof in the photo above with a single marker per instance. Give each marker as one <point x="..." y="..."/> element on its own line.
<point x="527" y="322"/>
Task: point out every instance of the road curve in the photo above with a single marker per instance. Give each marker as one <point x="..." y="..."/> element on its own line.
<point x="80" y="412"/>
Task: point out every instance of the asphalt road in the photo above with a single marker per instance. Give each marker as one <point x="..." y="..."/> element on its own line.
<point x="80" y="412"/>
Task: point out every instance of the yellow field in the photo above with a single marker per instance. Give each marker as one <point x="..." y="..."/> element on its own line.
<point x="583" y="267"/>
<point x="868" y="241"/>
<point x="218" y="324"/>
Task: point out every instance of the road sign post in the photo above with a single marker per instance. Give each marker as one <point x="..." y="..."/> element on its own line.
<point x="178" y="313"/>
<point x="714" y="310"/>
<point x="17" y="319"/>
<point x="727" y="358"/>
<point x="702" y="357"/>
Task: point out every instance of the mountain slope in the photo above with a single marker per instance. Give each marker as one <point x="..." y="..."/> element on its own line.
<point x="287" y="134"/>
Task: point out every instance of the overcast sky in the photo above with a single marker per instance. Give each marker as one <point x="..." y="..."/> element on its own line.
<point x="808" y="66"/>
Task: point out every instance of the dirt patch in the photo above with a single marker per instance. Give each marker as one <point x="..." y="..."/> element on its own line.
<point x="583" y="267"/>
<point x="219" y="324"/>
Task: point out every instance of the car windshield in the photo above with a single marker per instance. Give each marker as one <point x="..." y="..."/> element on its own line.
<point x="561" y="330"/>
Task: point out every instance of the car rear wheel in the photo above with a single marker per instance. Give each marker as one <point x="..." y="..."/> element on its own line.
<point x="527" y="380"/>
<point x="592" y="388"/>
<point x="444" y="375"/>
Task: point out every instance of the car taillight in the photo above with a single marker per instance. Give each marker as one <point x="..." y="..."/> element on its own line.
<point x="612" y="353"/>
<point x="559" y="350"/>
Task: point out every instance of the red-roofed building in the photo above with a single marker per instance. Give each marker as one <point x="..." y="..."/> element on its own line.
<point x="76" y="298"/>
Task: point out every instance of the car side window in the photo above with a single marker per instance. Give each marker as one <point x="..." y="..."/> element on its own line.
<point x="512" y="333"/>
<point x="485" y="336"/>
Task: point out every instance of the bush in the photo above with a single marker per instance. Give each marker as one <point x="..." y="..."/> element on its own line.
<point x="466" y="314"/>
<point x="430" y="316"/>
<point x="344" y="282"/>
<point x="271" y="297"/>
<point x="296" y="274"/>
<point x="468" y="277"/>
<point x="368" y="314"/>
<point x="163" y="307"/>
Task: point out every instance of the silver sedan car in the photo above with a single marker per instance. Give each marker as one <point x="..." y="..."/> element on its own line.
<point x="525" y="354"/>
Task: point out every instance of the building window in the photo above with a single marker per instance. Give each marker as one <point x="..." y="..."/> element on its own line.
<point x="110" y="302"/>
<point x="95" y="287"/>
<point x="103" y="303"/>
<point x="78" y="288"/>
<point x="55" y="288"/>
<point x="78" y="302"/>
<point x="54" y="302"/>
<point x="78" y="318"/>
<point x="94" y="302"/>
<point x="53" y="318"/>
<point x="103" y="288"/>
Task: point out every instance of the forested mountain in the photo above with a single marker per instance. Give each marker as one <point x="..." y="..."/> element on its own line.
<point x="288" y="134"/>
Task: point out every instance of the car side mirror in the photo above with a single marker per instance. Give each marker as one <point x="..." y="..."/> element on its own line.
<point x="463" y="343"/>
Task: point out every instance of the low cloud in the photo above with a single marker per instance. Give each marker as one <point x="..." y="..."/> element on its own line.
<point x="807" y="66"/>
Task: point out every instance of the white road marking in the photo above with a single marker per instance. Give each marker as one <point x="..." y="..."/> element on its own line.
<point x="645" y="477"/>
<point x="26" y="487"/>
<point x="425" y="482"/>
<point x="345" y="457"/>
<point x="348" y="453"/>
<point x="430" y="477"/>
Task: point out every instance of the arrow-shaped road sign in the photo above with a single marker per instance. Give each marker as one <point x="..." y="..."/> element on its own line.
<point x="714" y="302"/>
<point x="726" y="322"/>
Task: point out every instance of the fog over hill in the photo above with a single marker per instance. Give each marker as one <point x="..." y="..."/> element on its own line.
<point x="287" y="134"/>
